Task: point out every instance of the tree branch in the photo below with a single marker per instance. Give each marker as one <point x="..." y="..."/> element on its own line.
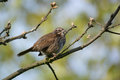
<point x="52" y="70"/>
<point x="75" y="40"/>
<point x="112" y="17"/>
<point x="112" y="32"/>
<point x="6" y="29"/>
<point x="20" y="71"/>
<point x="114" y="26"/>
<point x="3" y="0"/>
<point x="104" y="29"/>
<point x="42" y="62"/>
<point x="23" y="35"/>
<point x="72" y="26"/>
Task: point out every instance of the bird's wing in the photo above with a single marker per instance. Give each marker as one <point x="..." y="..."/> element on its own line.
<point x="44" y="42"/>
<point x="57" y="45"/>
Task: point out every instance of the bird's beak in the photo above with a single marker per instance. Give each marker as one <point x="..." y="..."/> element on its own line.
<point x="64" y="31"/>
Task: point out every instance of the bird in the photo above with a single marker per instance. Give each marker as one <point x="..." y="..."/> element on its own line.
<point x="49" y="44"/>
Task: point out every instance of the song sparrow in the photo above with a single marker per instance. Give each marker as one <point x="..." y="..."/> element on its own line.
<point x="49" y="44"/>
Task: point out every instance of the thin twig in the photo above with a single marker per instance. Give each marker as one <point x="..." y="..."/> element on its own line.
<point x="43" y="19"/>
<point x="2" y="31"/>
<point x="98" y="23"/>
<point x="72" y="26"/>
<point x="114" y="26"/>
<point x="112" y="32"/>
<point x="90" y="25"/>
<point x="52" y="71"/>
<point x="76" y="40"/>
<point x="6" y="29"/>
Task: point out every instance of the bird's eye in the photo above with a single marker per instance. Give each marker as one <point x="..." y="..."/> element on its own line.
<point x="58" y="30"/>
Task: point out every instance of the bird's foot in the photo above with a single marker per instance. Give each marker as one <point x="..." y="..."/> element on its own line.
<point x="50" y="58"/>
<point x="54" y="56"/>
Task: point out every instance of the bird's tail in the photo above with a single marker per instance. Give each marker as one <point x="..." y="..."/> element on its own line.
<point x="24" y="52"/>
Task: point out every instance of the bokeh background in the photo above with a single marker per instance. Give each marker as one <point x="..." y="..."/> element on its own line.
<point x="99" y="61"/>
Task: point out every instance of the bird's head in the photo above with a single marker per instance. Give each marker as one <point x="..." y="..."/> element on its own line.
<point x="60" y="31"/>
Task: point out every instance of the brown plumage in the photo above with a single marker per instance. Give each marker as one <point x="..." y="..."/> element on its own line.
<point x="48" y="44"/>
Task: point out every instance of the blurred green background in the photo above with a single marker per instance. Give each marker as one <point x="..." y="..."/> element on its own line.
<point x="99" y="61"/>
